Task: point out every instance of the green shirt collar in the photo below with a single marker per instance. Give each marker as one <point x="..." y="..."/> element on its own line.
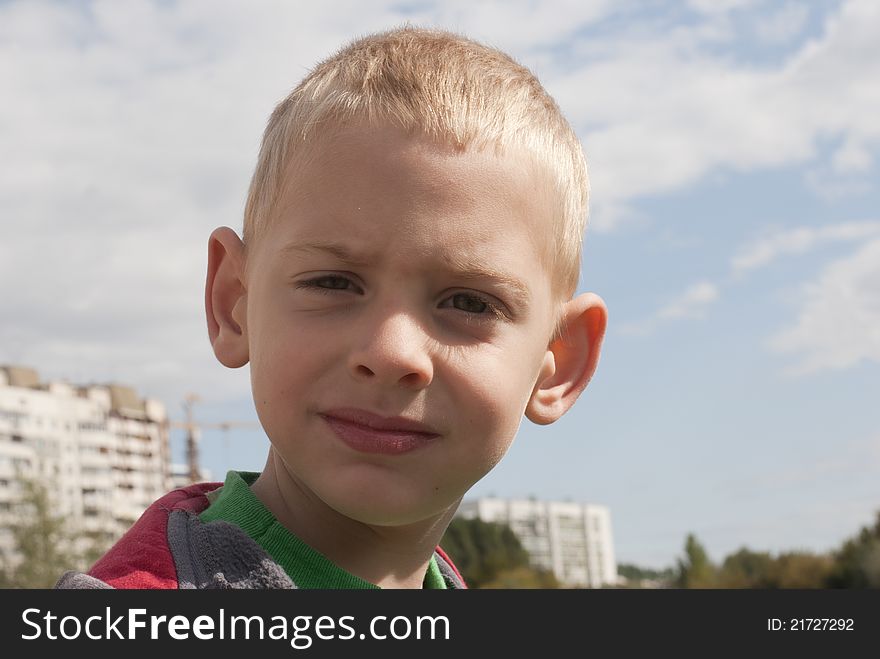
<point x="237" y="504"/>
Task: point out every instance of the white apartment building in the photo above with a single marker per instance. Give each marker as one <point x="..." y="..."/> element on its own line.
<point x="101" y="451"/>
<point x="573" y="540"/>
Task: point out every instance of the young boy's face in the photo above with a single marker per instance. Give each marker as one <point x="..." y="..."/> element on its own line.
<point x="398" y="279"/>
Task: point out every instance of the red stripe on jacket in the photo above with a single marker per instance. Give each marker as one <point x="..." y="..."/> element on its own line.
<point x="142" y="558"/>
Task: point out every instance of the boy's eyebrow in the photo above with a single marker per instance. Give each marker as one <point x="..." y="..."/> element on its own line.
<point x="338" y="250"/>
<point x="462" y="268"/>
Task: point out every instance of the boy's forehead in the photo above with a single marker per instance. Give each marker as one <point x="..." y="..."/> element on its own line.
<point x="367" y="150"/>
<point x="343" y="182"/>
<point x="372" y="166"/>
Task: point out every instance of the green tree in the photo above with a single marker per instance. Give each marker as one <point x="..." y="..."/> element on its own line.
<point x="483" y="550"/>
<point x="800" y="569"/>
<point x="522" y="577"/>
<point x="857" y="562"/>
<point x="42" y="541"/>
<point x="636" y="575"/>
<point x="745" y="569"/>
<point x="794" y="569"/>
<point x="695" y="570"/>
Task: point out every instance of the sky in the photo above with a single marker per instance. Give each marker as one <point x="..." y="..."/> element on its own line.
<point x="734" y="234"/>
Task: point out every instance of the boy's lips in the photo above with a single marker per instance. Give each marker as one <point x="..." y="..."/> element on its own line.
<point x="371" y="433"/>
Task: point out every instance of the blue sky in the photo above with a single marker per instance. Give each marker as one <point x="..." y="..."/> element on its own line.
<point x="734" y="235"/>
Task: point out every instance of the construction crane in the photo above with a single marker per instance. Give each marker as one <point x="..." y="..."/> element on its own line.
<point x="193" y="431"/>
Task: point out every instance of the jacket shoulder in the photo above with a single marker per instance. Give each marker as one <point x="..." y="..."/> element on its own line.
<point x="451" y="575"/>
<point x="142" y="557"/>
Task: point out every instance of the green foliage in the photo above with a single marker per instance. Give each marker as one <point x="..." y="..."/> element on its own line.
<point x="746" y="569"/>
<point x="857" y="562"/>
<point x="634" y="573"/>
<point x="695" y="570"/>
<point x="855" y="565"/>
<point x="43" y="541"/>
<point x="795" y="569"/>
<point x="750" y="569"/>
<point x="800" y="569"/>
<point x="522" y="577"/>
<point x="489" y="555"/>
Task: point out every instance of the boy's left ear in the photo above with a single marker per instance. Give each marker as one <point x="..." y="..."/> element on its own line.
<point x="570" y="360"/>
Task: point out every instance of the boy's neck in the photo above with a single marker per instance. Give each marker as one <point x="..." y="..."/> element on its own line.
<point x="387" y="556"/>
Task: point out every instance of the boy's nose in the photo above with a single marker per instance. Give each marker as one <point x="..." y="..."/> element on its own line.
<point x="393" y="351"/>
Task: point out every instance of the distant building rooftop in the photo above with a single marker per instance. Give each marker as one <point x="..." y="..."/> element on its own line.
<point x="122" y="398"/>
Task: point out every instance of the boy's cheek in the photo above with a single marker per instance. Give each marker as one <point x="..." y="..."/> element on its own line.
<point x="494" y="420"/>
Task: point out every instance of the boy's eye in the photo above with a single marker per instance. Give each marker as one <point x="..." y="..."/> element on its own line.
<point x="475" y="305"/>
<point x="469" y="303"/>
<point x="327" y="282"/>
<point x="331" y="281"/>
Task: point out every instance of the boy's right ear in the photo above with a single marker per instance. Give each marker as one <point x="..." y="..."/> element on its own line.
<point x="226" y="298"/>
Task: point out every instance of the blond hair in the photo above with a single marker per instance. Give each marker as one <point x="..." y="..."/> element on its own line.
<point x="448" y="87"/>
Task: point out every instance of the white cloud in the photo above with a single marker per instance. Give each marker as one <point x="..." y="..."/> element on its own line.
<point x="660" y="110"/>
<point x="851" y="279"/>
<point x="719" y="6"/>
<point x="799" y="241"/>
<point x="784" y="24"/>
<point x="838" y="317"/>
<point x="691" y="303"/>
<point x="852" y="157"/>
<point x="516" y="26"/>
<point x="838" y="325"/>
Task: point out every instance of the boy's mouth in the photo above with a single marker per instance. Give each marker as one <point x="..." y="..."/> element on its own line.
<point x="370" y="433"/>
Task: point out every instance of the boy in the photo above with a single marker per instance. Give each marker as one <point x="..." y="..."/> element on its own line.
<point x="403" y="294"/>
